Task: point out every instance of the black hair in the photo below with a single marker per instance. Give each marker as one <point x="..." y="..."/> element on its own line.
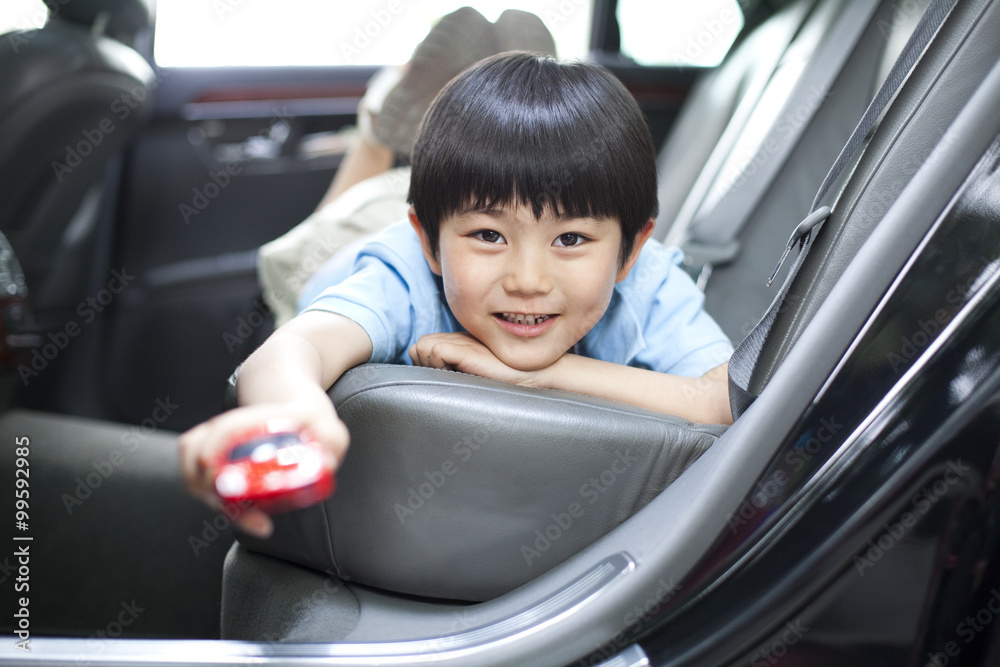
<point x="519" y="128"/>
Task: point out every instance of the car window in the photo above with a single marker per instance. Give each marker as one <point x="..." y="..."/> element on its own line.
<point x="22" y="15"/>
<point x="193" y="33"/>
<point x="678" y="32"/>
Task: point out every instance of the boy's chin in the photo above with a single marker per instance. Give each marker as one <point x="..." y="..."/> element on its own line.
<point x="530" y="364"/>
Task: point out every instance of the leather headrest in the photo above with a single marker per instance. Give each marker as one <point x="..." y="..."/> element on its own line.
<point x="125" y="17"/>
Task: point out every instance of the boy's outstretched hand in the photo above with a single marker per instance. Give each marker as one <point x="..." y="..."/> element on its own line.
<point x="285" y="378"/>
<point x="202" y="447"/>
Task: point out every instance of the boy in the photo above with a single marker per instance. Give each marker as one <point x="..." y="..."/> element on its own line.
<point x="533" y="194"/>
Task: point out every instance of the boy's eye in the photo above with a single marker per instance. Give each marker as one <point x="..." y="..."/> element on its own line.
<point x="569" y="239"/>
<point x="488" y="235"/>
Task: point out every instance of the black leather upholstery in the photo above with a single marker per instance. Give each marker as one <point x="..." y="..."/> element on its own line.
<point x="465" y="488"/>
<point x="69" y="103"/>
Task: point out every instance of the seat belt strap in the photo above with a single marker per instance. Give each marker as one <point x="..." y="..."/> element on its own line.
<point x="745" y="359"/>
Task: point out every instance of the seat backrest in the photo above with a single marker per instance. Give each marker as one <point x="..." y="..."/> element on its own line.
<point x="70" y="100"/>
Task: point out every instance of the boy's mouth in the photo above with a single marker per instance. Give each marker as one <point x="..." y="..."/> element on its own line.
<point x="525" y="325"/>
<point x="521" y="318"/>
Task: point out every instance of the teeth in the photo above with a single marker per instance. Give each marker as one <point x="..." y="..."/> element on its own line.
<point x="519" y="318"/>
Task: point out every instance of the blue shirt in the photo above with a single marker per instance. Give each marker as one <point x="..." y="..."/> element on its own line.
<point x="655" y="319"/>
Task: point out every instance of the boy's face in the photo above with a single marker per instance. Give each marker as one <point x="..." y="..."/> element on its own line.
<point x="528" y="289"/>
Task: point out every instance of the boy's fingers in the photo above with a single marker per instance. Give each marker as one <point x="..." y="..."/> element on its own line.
<point x="192" y="468"/>
<point x="254" y="522"/>
<point x="337" y="438"/>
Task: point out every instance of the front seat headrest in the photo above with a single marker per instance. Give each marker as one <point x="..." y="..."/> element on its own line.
<point x="125" y="18"/>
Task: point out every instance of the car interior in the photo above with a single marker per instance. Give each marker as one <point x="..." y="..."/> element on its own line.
<point x="451" y="536"/>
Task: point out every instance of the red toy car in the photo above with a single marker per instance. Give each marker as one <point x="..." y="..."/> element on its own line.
<point x="275" y="466"/>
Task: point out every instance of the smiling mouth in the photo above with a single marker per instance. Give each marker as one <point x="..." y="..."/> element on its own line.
<point x="522" y="318"/>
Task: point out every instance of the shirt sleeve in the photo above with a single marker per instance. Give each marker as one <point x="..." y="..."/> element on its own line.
<point x="378" y="299"/>
<point x="388" y="289"/>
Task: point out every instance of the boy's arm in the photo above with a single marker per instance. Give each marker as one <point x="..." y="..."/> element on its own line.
<point x="286" y="377"/>
<point x="303" y="359"/>
<point x="703" y="399"/>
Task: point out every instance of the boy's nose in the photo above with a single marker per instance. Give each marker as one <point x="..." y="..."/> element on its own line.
<point x="527" y="275"/>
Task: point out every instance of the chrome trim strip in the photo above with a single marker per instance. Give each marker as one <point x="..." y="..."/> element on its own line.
<point x="471" y="647"/>
<point x="319" y="106"/>
<point x="633" y="656"/>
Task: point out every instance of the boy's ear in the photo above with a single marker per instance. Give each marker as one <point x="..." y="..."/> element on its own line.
<point x="425" y="243"/>
<point x="640" y="240"/>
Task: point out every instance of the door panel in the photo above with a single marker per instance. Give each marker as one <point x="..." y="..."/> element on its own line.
<point x="232" y="160"/>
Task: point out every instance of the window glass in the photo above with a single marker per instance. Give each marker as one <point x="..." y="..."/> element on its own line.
<point x="22" y="15"/>
<point x="678" y="32"/>
<point x="192" y="33"/>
